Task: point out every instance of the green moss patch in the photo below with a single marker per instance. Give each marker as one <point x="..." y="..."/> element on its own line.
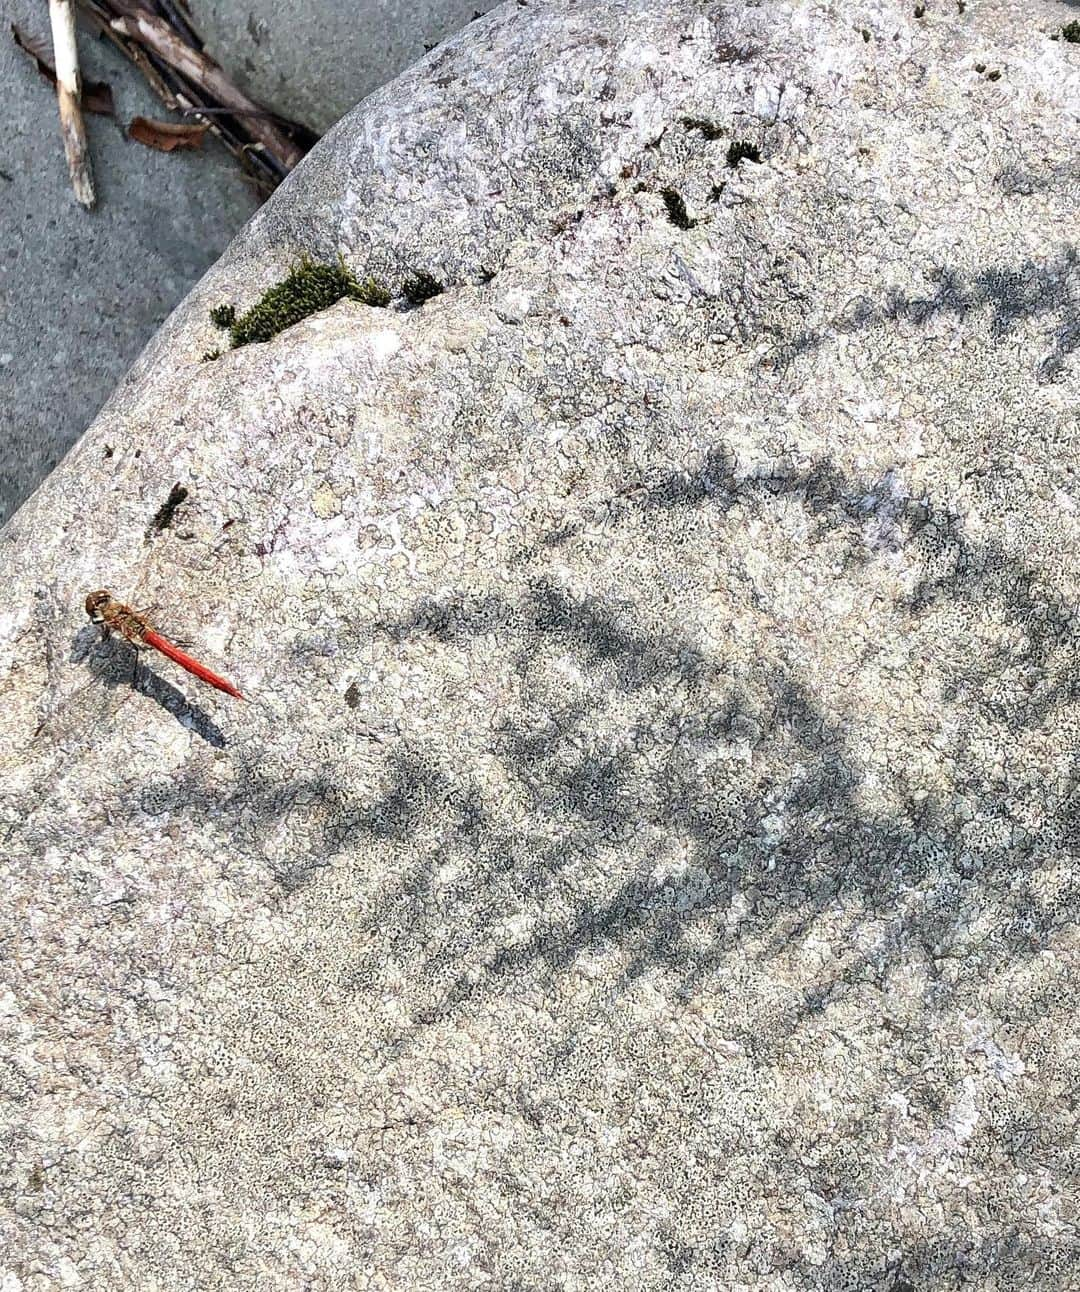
<point x="308" y="289"/>
<point x="223" y="316"/>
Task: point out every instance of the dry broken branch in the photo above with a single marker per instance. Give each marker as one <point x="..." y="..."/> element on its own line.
<point x="100" y="19"/>
<point x="69" y="94"/>
<point x="155" y="34"/>
<point x="238" y="128"/>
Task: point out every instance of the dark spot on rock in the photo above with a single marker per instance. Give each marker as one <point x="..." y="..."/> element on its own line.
<point x="676" y="209"/>
<point x="726" y="53"/>
<point x="420" y="288"/>
<point x="163" y="517"/>
<point x="708" y="128"/>
<point x="741" y="150"/>
<point x="352" y="695"/>
<point x="565" y="219"/>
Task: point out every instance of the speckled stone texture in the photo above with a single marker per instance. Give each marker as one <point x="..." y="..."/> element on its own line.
<point x="648" y="856"/>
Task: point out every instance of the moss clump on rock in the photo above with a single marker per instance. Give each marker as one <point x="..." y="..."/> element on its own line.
<point x="307" y="289"/>
<point x="420" y="288"/>
<point x="370" y="292"/>
<point x="676" y="209"/>
<point x="741" y="151"/>
<point x="223" y="316"/>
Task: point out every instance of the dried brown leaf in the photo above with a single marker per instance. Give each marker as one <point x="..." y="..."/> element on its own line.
<point x="97" y="96"/>
<point x="165" y="136"/>
<point x="38" y="49"/>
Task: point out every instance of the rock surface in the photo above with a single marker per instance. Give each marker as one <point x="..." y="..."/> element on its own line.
<point x="647" y="858"/>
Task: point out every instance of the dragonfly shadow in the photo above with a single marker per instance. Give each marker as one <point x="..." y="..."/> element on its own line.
<point x="115" y="663"/>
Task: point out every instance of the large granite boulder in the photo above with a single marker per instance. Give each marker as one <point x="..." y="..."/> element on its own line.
<point x="647" y="856"/>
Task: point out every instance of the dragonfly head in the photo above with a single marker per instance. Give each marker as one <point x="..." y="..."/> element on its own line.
<point x="95" y="605"/>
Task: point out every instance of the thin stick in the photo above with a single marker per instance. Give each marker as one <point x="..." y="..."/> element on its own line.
<point x="101" y="20"/>
<point x="179" y="22"/>
<point x="145" y="27"/>
<point x="264" y="170"/>
<point x="174" y="92"/>
<point x="69" y="94"/>
<point x="233" y="112"/>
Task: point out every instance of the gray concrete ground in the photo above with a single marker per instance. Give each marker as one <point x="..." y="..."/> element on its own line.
<point x="82" y="292"/>
<point x="315" y="61"/>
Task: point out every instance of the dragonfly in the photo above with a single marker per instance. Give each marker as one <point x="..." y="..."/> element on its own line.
<point x="115" y="617"/>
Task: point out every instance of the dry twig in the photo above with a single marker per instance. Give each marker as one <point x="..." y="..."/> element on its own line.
<point x="156" y="35"/>
<point x="168" y="51"/>
<point x="69" y="95"/>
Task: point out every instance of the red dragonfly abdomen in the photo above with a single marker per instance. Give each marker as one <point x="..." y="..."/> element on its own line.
<point x="113" y="615"/>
